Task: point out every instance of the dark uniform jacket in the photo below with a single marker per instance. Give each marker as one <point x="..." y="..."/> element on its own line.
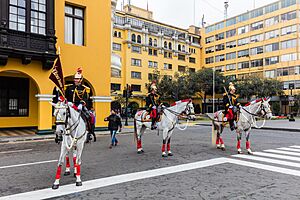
<point x="229" y="100"/>
<point x="77" y="94"/>
<point x="114" y="122"/>
<point x="152" y="100"/>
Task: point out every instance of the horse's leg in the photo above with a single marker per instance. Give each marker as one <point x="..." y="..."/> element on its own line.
<point x="169" y="146"/>
<point x="248" y="143"/>
<point x="221" y="139"/>
<point x="63" y="153"/>
<point x="163" y="148"/>
<point x="140" y="132"/>
<point x="217" y="128"/>
<point x="238" y="145"/>
<point x="67" y="172"/>
<point x="78" y="163"/>
<point x="74" y="161"/>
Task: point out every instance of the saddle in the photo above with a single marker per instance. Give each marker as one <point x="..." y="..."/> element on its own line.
<point x="146" y="116"/>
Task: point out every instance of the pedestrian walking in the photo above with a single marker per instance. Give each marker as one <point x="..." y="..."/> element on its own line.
<point x="114" y="124"/>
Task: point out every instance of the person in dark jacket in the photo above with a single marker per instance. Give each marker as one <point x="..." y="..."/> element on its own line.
<point x="114" y="124"/>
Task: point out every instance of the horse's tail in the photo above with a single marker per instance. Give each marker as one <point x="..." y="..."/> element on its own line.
<point x="135" y="129"/>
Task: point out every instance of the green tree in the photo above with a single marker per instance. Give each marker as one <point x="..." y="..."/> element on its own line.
<point x="258" y="87"/>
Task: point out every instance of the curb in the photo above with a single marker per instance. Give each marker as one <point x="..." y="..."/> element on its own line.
<point x="266" y="128"/>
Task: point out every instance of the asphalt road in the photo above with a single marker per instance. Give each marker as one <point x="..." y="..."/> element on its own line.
<point x="209" y="173"/>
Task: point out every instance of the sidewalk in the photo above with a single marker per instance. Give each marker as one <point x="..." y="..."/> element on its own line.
<point x="282" y="125"/>
<point x="29" y="135"/>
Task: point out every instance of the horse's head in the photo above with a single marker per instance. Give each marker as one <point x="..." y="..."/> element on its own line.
<point x="265" y="108"/>
<point x="61" y="114"/>
<point x="189" y="109"/>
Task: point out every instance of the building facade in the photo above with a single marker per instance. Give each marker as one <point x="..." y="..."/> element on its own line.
<point x="31" y="32"/>
<point x="263" y="42"/>
<point x="145" y="47"/>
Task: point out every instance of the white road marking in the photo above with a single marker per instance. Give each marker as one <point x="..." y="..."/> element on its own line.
<point x="295" y="146"/>
<point x="269" y="160"/>
<point x="289" y="149"/>
<point x="16" y="151"/>
<point x="271" y="155"/>
<point x="27" y="164"/>
<point x="282" y="152"/>
<point x="265" y="167"/>
<point x="103" y="182"/>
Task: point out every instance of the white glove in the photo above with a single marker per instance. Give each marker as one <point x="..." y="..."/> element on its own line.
<point x="79" y="107"/>
<point x="154" y="107"/>
<point x="225" y="119"/>
<point x="231" y="107"/>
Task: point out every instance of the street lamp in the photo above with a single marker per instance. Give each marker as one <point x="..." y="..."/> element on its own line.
<point x="291" y="102"/>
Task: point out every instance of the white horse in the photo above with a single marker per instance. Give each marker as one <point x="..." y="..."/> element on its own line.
<point x="73" y="137"/>
<point x="168" y="121"/>
<point x="247" y="119"/>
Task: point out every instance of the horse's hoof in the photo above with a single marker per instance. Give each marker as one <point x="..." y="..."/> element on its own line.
<point x="142" y="151"/>
<point x="170" y="154"/>
<point x="54" y="187"/>
<point x="79" y="183"/>
<point x="164" y="155"/>
<point x="249" y="152"/>
<point x="218" y="147"/>
<point x="223" y="149"/>
<point x="67" y="173"/>
<point x="240" y="151"/>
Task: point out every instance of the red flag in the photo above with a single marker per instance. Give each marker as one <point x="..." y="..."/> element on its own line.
<point x="57" y="76"/>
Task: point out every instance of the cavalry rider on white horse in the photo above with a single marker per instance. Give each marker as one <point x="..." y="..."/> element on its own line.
<point x="78" y="94"/>
<point x="152" y="103"/>
<point x="231" y="106"/>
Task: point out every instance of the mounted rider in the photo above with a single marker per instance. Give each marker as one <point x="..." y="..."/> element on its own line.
<point x="78" y="94"/>
<point x="231" y="106"/>
<point x="152" y="103"/>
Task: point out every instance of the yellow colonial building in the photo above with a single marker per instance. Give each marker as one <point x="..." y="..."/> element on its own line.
<point x="143" y="46"/>
<point x="30" y="33"/>
<point x="263" y="42"/>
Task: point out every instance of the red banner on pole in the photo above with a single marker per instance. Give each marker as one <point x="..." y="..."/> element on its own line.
<point x="57" y="76"/>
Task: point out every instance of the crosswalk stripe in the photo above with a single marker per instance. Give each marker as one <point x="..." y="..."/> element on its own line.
<point x="269" y="160"/>
<point x="113" y="180"/>
<point x="264" y="167"/>
<point x="282" y="152"/>
<point x="289" y="149"/>
<point x="271" y="155"/>
<point x="295" y="146"/>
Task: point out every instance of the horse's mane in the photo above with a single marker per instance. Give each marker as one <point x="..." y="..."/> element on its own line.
<point x="180" y="101"/>
<point x="255" y="101"/>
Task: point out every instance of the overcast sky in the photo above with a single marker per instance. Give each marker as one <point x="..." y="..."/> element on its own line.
<point x="181" y="12"/>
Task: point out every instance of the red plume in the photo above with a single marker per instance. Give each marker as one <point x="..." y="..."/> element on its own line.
<point x="79" y="70"/>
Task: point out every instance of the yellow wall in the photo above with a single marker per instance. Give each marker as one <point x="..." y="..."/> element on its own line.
<point x="94" y="57"/>
<point x="127" y="54"/>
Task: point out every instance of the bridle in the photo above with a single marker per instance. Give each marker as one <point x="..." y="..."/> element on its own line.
<point x="64" y="122"/>
<point x="177" y="114"/>
<point x="261" y="109"/>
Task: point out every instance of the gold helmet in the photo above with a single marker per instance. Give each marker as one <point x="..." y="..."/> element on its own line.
<point x="231" y="86"/>
<point x="78" y="73"/>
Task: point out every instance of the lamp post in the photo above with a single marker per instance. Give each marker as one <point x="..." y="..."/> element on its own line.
<point x="291" y="102"/>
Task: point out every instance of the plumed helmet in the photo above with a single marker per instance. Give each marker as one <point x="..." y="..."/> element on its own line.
<point x="78" y="73"/>
<point x="231" y="86"/>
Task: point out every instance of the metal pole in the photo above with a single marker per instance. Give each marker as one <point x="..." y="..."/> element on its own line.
<point x="214" y="76"/>
<point x="126" y="107"/>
